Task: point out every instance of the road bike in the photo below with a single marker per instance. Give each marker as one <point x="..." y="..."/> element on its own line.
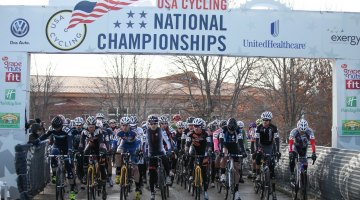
<point x="299" y="186"/>
<point x="264" y="184"/>
<point x="60" y="176"/>
<point x="198" y="182"/>
<point x="93" y="178"/>
<point x="161" y="177"/>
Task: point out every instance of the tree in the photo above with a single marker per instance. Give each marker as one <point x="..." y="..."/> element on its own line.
<point x="290" y="85"/>
<point x="42" y="89"/>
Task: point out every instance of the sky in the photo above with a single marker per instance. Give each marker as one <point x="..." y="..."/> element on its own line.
<point x="91" y="65"/>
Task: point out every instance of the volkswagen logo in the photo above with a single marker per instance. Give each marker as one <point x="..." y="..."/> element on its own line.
<point x="20" y="27"/>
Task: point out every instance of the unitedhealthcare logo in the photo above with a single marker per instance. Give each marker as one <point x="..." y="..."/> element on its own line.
<point x="273" y="43"/>
<point x="274" y="29"/>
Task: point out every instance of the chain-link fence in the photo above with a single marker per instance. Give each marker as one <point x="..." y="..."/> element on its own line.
<point x="32" y="169"/>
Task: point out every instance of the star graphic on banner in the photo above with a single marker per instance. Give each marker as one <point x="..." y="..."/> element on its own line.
<point x="130" y="14"/>
<point x="130" y="24"/>
<point x="117" y="24"/>
<point x="142" y="24"/>
<point x="11" y="178"/>
<point x="9" y="144"/>
<point x="142" y="14"/>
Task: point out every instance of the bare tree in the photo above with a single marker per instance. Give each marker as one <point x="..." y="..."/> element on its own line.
<point x="42" y="89"/>
<point x="290" y="86"/>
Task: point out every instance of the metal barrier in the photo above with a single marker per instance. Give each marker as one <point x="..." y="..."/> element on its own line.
<point x="335" y="174"/>
<point x="33" y="169"/>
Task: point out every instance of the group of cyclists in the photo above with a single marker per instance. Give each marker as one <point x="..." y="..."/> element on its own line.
<point x="158" y="137"/>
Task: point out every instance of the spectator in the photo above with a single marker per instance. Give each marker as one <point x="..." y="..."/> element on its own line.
<point x="35" y="131"/>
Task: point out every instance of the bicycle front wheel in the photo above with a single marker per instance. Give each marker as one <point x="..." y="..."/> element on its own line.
<point x="60" y="191"/>
<point x="304" y="186"/>
<point x="90" y="190"/>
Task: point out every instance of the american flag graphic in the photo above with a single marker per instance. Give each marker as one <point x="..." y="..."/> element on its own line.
<point x="86" y="12"/>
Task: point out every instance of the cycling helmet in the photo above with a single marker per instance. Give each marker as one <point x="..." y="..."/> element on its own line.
<point x="163" y="119"/>
<point x="99" y="123"/>
<point x="176" y="117"/>
<point x="100" y="115"/>
<point x="57" y="122"/>
<point x="266" y="115"/>
<point x="78" y="121"/>
<point x="125" y="120"/>
<point x="240" y="124"/>
<point x="72" y="123"/>
<point x="252" y="125"/>
<point x="180" y="124"/>
<point x="258" y="122"/>
<point x="232" y="124"/>
<point x="212" y="126"/>
<point x="134" y="120"/>
<point x="222" y="123"/>
<point x="198" y="122"/>
<point x="35" y="127"/>
<point x="67" y="121"/>
<point x="91" y="120"/>
<point x="153" y="119"/>
<point x="63" y="118"/>
<point x="112" y="121"/>
<point x="302" y="125"/>
<point x="190" y="120"/>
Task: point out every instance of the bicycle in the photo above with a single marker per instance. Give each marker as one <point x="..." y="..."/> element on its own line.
<point x="161" y="179"/>
<point x="60" y="176"/>
<point x="300" y="184"/>
<point x="198" y="179"/>
<point x="93" y="179"/>
<point x="179" y="175"/>
<point x="229" y="184"/>
<point x="125" y="176"/>
<point x="264" y="185"/>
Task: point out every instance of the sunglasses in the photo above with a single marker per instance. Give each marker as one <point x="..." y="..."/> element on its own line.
<point x="164" y="123"/>
<point x="153" y="123"/>
<point x="180" y="128"/>
<point x="124" y="124"/>
<point x="197" y="126"/>
<point x="266" y="120"/>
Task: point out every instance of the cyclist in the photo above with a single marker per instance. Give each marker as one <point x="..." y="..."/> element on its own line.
<point x="76" y="133"/>
<point x="200" y="142"/>
<point x="217" y="146"/>
<point x="212" y="127"/>
<point x="154" y="140"/>
<point x="140" y="136"/>
<point x="245" y="142"/>
<point x="170" y="133"/>
<point x="179" y="139"/>
<point x="62" y="144"/>
<point x="92" y="141"/>
<point x="299" y="139"/>
<point x="129" y="144"/>
<point x="231" y="139"/>
<point x="266" y="135"/>
<point x="251" y="136"/>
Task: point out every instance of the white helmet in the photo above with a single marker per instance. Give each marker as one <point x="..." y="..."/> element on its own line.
<point x="199" y="122"/>
<point x="240" y="124"/>
<point x="78" y="121"/>
<point x="302" y="125"/>
<point x="100" y="115"/>
<point x="180" y="124"/>
<point x="125" y="120"/>
<point x="266" y="115"/>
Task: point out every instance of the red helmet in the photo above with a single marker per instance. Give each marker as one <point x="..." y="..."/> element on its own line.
<point x="176" y="117"/>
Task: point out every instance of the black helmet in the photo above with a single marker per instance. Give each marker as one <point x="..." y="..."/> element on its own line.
<point x="91" y="120"/>
<point x="57" y="122"/>
<point x="232" y="124"/>
<point x="153" y="119"/>
<point x="222" y="123"/>
<point x="190" y="120"/>
<point x="35" y="127"/>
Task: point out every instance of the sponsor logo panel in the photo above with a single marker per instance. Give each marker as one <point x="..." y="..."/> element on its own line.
<point x="9" y="120"/>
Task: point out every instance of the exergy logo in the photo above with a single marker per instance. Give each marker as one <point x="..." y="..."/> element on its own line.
<point x="282" y="44"/>
<point x="339" y="36"/>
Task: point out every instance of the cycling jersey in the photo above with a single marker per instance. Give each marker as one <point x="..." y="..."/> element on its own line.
<point x="232" y="141"/>
<point x="154" y="141"/>
<point x="267" y="135"/>
<point x="299" y="142"/>
<point x="129" y="136"/>
<point x="200" y="142"/>
<point x="61" y="139"/>
<point x="216" y="136"/>
<point x="76" y="134"/>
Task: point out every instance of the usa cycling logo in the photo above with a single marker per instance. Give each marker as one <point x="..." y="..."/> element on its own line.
<point x="20" y="27"/>
<point x="274" y="28"/>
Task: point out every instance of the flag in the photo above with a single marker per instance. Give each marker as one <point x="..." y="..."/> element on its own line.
<point x="86" y="12"/>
